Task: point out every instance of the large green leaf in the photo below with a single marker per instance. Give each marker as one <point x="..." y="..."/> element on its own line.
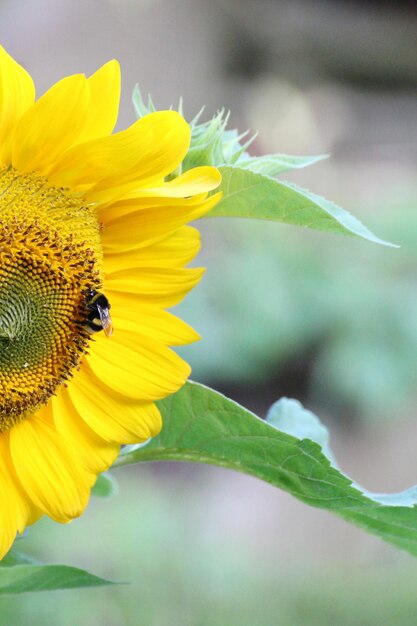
<point x="202" y="426"/>
<point x="274" y="164"/>
<point x="31" y="577"/>
<point x="251" y="194"/>
<point x="15" y="557"/>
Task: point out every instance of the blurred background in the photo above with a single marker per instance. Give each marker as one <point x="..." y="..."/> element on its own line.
<point x="329" y="320"/>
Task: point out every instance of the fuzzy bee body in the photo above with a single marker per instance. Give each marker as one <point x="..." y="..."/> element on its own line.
<point x="98" y="317"/>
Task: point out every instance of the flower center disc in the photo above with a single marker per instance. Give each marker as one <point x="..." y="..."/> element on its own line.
<point x="50" y="255"/>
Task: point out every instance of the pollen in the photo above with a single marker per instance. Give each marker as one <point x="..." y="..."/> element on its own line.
<point x="50" y="257"/>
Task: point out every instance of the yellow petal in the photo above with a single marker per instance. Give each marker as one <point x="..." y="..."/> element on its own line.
<point x="136" y="366"/>
<point x="134" y="201"/>
<point x="195" y="181"/>
<point x="163" y="287"/>
<point x="176" y="250"/>
<point x="51" y="125"/>
<point x="17" y="93"/>
<point x="15" y="512"/>
<point x="104" y="102"/>
<point x="49" y="471"/>
<point x="130" y="314"/>
<point x="95" y="453"/>
<point x="146" y="226"/>
<point x="26" y="512"/>
<point x="8" y="513"/>
<point x="151" y="148"/>
<point x="113" y="417"/>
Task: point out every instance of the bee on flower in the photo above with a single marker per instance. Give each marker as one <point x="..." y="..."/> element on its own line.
<point x="89" y="221"/>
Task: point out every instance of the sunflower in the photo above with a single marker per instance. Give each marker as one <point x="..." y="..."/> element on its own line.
<point x="91" y="225"/>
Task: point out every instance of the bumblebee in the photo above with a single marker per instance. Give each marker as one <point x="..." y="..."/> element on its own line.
<point x="98" y="317"/>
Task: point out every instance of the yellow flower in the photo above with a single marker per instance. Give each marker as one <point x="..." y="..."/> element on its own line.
<point x="84" y="212"/>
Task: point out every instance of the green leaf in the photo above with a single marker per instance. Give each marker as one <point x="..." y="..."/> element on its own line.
<point x="201" y="425"/>
<point x="22" y="578"/>
<point x="105" y="486"/>
<point x="290" y="417"/>
<point x="14" y="557"/>
<point x="274" y="164"/>
<point x="248" y="187"/>
<point x="249" y="194"/>
<point x="141" y="107"/>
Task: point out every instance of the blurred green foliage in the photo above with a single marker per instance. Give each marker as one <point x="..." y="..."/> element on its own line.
<point x="272" y="294"/>
<point x="183" y="570"/>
